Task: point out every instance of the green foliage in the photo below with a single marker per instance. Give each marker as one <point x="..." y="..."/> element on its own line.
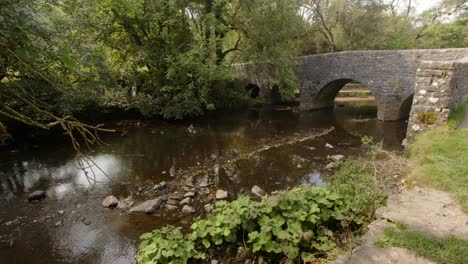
<point x="362" y="194"/>
<point x="167" y="245"/>
<point x="458" y="115"/>
<point x="427" y="118"/>
<point x="446" y="250"/>
<point x="301" y="223"/>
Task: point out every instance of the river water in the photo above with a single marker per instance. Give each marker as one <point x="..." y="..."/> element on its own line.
<point x="274" y="148"/>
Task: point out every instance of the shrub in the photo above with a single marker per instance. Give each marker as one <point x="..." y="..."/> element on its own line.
<point x="427" y="118"/>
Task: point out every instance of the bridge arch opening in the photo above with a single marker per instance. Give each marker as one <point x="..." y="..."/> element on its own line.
<point x="405" y="107"/>
<point x="349" y="94"/>
<point x="252" y="90"/>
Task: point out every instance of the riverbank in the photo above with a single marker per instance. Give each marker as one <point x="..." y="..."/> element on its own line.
<point x="422" y="224"/>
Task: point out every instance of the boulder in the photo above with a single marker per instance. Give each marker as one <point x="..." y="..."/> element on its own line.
<point x="188" y="209"/>
<point x="221" y="194"/>
<point x="328" y="146"/>
<point x="148" y="207"/>
<point x="110" y="201"/>
<point x="37" y="195"/>
<point x="337" y="158"/>
<point x="257" y="191"/>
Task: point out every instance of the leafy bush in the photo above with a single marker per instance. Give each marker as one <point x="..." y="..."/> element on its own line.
<point x="298" y="224"/>
<point x="427" y="118"/>
<point x="362" y="194"/>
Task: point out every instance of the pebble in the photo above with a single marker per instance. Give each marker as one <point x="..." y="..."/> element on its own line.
<point x="257" y="191"/>
<point x="221" y="194"/>
<point x="188" y="209"/>
<point x="186" y="200"/>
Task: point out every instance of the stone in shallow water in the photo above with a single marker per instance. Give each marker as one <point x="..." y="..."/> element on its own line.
<point x="328" y="146"/>
<point x="257" y="191"/>
<point x="188" y="209"/>
<point x="37" y="195"/>
<point x="187" y="200"/>
<point x="170" y="207"/>
<point x="189" y="194"/>
<point x="110" y="201"/>
<point x="148" y="207"/>
<point x="221" y="194"/>
<point x="332" y="165"/>
<point x="337" y="158"/>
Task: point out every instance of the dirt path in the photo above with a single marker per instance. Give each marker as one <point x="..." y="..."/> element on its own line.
<point x="426" y="210"/>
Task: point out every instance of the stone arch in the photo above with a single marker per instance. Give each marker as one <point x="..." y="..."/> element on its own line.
<point x="327" y="94"/>
<point x="405" y="107"/>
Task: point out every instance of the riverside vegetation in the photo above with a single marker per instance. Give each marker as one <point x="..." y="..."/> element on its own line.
<point x="303" y="223"/>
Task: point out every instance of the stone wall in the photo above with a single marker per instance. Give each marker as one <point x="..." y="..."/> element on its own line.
<point x="440" y="87"/>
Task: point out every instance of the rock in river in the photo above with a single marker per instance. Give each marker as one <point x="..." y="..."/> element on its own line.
<point x="188" y="209"/>
<point x="187" y="200"/>
<point x="221" y="194"/>
<point x="337" y="158"/>
<point x="332" y="165"/>
<point x="148" y="206"/>
<point x="110" y="201"/>
<point x="37" y="195"/>
<point x="257" y="191"/>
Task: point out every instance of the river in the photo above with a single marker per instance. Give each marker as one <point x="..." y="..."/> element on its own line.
<point x="274" y="148"/>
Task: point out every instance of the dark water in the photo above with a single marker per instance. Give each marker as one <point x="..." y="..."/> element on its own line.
<point x="89" y="233"/>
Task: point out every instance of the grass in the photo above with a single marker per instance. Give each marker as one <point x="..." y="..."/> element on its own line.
<point x="445" y="250"/>
<point x="439" y="159"/>
<point x="458" y="115"/>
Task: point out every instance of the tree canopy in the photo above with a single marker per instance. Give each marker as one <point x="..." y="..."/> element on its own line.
<point x="61" y="59"/>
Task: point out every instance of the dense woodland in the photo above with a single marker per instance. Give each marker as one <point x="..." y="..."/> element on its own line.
<point x="61" y="60"/>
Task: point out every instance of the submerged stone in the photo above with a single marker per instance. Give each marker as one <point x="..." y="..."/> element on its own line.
<point x="37" y="195"/>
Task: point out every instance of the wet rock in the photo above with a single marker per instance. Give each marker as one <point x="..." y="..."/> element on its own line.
<point x="328" y="146"/>
<point x="221" y="194"/>
<point x="86" y="222"/>
<point x="187" y="200"/>
<point x="59" y="223"/>
<point x="163" y="184"/>
<point x="208" y="207"/>
<point x="110" y="201"/>
<point x="337" y="158"/>
<point x="235" y="152"/>
<point x="148" y="206"/>
<point x="188" y="209"/>
<point x="11" y="243"/>
<point x="172" y="201"/>
<point x="170" y="207"/>
<point x="332" y="165"/>
<point x="257" y="191"/>
<point x="189" y="194"/>
<point x="61" y="212"/>
<point x="214" y="261"/>
<point x="37" y="195"/>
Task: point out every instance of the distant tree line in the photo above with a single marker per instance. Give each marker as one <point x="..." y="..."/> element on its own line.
<point x="63" y="59"/>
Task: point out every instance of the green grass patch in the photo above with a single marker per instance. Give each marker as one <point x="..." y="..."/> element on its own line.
<point x="445" y="250"/>
<point x="439" y="158"/>
<point x="458" y="115"/>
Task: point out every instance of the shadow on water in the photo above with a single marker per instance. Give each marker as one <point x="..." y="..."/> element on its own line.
<point x="87" y="233"/>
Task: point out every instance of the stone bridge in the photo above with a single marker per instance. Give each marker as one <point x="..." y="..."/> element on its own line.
<point x="392" y="76"/>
